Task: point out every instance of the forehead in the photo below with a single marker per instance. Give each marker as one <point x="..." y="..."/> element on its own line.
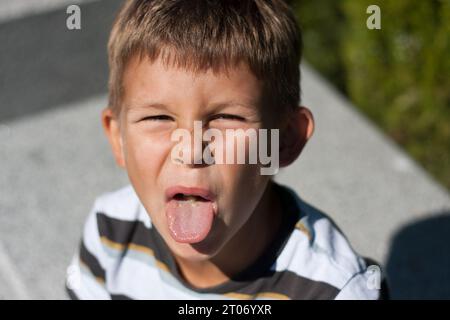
<point x="144" y="79"/>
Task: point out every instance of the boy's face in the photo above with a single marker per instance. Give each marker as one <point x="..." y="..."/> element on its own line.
<point x="158" y="100"/>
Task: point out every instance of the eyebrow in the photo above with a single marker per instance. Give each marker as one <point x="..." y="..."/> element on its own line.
<point x="214" y="106"/>
<point x="155" y="105"/>
<point x="230" y="103"/>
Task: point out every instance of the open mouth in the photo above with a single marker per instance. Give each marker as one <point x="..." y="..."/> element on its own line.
<point x="190" y="213"/>
<point x="188" y="197"/>
<point x="189" y="193"/>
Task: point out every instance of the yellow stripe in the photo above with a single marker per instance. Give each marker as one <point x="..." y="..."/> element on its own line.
<point x="112" y="244"/>
<point x="142" y="249"/>
<point x="300" y="226"/>
<point x="135" y="247"/>
<point x="272" y="295"/>
<point x="269" y="295"/>
<point x="241" y="296"/>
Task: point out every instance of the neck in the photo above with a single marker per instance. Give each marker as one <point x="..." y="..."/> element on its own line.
<point x="264" y="221"/>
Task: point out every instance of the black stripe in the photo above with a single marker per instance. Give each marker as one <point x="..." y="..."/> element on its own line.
<point x="126" y="232"/>
<point x="91" y="262"/>
<point x="71" y="294"/>
<point x="292" y="285"/>
<point x="119" y="231"/>
<point x="120" y="297"/>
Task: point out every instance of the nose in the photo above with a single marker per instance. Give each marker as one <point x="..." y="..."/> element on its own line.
<point x="190" y="148"/>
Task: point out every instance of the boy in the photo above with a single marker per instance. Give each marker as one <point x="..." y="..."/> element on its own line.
<point x="192" y="229"/>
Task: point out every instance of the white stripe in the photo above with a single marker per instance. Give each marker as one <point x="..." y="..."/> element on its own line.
<point x="328" y="257"/>
<point x="88" y="287"/>
<point x="122" y="204"/>
<point x="91" y="240"/>
<point x="357" y="289"/>
<point x="301" y="259"/>
<point x="139" y="280"/>
<point x="326" y="235"/>
<point x="331" y="241"/>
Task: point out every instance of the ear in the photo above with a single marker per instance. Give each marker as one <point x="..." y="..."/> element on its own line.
<point x="295" y="135"/>
<point x="111" y="127"/>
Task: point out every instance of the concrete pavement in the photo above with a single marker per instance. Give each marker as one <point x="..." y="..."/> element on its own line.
<point x="55" y="161"/>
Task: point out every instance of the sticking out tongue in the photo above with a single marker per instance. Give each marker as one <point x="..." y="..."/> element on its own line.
<point x="189" y="219"/>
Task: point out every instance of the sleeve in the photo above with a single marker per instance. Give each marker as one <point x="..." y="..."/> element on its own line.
<point x="366" y="285"/>
<point x="86" y="274"/>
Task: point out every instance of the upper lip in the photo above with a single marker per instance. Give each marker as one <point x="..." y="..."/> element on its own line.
<point x="191" y="191"/>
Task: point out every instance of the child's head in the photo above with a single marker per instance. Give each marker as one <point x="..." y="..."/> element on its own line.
<point x="230" y="64"/>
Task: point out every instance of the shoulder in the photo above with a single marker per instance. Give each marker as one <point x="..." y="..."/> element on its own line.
<point x="319" y="251"/>
<point x="112" y="221"/>
<point x="116" y="215"/>
<point x="122" y="204"/>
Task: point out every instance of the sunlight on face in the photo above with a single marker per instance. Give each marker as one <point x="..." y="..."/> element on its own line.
<point x="158" y="100"/>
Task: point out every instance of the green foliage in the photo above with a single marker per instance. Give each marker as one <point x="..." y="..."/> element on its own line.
<point x="399" y="76"/>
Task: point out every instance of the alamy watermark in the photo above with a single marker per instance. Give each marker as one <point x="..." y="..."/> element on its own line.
<point x="373" y="277"/>
<point x="234" y="146"/>
<point x="374" y="20"/>
<point x="73" y="21"/>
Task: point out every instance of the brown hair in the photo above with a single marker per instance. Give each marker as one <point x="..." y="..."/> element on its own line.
<point x="202" y="34"/>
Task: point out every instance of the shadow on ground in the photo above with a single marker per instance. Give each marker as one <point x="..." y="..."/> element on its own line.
<point x="418" y="265"/>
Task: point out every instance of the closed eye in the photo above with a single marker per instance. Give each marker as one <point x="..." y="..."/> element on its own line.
<point x="161" y="117"/>
<point x="227" y="116"/>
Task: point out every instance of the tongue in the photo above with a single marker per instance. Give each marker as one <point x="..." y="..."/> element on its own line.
<point x="189" y="221"/>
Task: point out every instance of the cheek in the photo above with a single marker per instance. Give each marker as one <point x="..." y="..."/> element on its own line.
<point x="244" y="186"/>
<point x="145" y="155"/>
<point x="243" y="181"/>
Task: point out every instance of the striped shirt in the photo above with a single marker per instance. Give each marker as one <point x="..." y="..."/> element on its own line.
<point x="122" y="256"/>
